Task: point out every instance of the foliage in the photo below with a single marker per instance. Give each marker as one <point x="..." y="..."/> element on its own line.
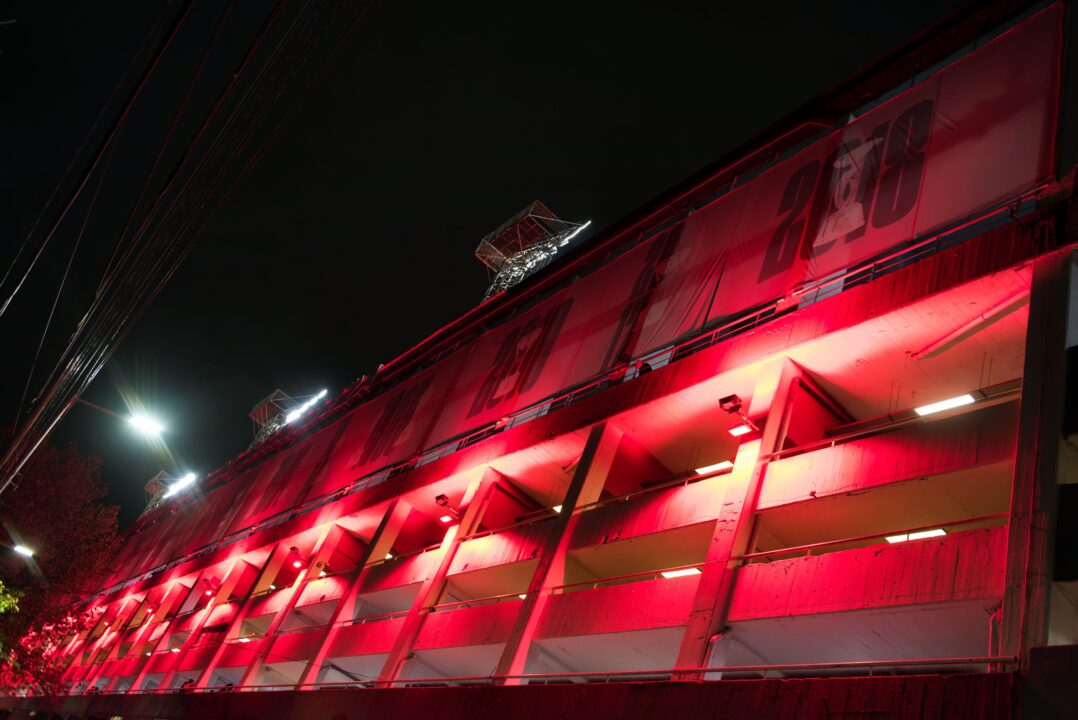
<point x="56" y="509"/>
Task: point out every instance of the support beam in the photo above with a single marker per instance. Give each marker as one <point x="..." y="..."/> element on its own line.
<point x="259" y="584"/>
<point x="1034" y="494"/>
<point x="381" y="543"/>
<point x="294" y="592"/>
<point x="162" y="642"/>
<point x="732" y="535"/>
<point x="474" y="503"/>
<point x="587" y="483"/>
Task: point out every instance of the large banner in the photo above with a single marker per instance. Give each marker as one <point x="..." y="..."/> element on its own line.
<point x="974" y="135"/>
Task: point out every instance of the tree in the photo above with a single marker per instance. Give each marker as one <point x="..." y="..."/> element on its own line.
<point x="57" y="510"/>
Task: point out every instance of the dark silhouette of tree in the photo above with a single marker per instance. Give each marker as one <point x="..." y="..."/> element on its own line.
<point x="56" y="509"/>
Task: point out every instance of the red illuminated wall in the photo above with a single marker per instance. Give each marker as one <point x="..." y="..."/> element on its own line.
<point x="566" y="425"/>
<point x="975" y="135"/>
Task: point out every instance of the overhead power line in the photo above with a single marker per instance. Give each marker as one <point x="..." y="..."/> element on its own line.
<point x="242" y="123"/>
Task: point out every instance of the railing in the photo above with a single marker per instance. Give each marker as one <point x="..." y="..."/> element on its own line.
<point x="992" y="395"/>
<point x="808" y="548"/>
<point x="622" y="579"/>
<point x="474" y="602"/>
<point x="696" y="674"/>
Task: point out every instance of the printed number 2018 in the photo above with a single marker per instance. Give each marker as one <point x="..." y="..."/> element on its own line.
<point x="818" y="190"/>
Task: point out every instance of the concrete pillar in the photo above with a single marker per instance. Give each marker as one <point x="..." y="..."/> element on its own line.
<point x="294" y="591"/>
<point x="171" y="597"/>
<point x="1034" y="493"/>
<point x="584" y="488"/>
<point x="733" y="529"/>
<point x="381" y="543"/>
<point x="474" y="503"/>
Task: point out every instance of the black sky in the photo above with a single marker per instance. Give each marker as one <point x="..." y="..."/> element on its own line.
<point x="354" y="236"/>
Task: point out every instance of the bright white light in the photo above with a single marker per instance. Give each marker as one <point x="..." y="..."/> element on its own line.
<point x="945" y="405"/>
<point x="23" y="550"/>
<point x="273" y="587"/>
<point x="921" y="535"/>
<point x="446" y="518"/>
<point x="245" y="640"/>
<point x="707" y="469"/>
<point x="146" y="425"/>
<point x="739" y="430"/>
<point x="573" y="234"/>
<point x="175" y="650"/>
<point x="680" y="573"/>
<point x="556" y="508"/>
<point x="389" y="556"/>
<point x="180" y="484"/>
<point x="298" y="412"/>
<point x="523" y="596"/>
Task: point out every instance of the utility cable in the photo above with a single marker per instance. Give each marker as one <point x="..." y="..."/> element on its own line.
<point x="84" y="179"/>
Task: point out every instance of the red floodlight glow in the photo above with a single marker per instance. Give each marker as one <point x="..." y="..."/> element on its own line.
<point x="297" y="559"/>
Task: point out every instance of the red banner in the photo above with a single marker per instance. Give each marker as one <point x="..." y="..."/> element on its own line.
<point x="974" y="135"/>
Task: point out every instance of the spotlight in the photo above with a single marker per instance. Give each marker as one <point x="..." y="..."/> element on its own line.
<point x="731" y="404"/>
<point x="451" y="513"/>
<point x="296" y="560"/>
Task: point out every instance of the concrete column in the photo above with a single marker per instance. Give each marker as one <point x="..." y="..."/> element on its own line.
<point x="381" y="543"/>
<point x="1034" y="492"/>
<point x="733" y="529"/>
<point x="474" y="503"/>
<point x="175" y="597"/>
<point x="294" y="591"/>
<point x="584" y="488"/>
<point x="237" y="621"/>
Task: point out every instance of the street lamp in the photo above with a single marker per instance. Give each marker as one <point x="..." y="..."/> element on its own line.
<point x="19" y="549"/>
<point x="142" y="423"/>
<point x="146" y="425"/>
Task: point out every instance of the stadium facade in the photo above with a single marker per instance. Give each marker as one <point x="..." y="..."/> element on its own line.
<point x="793" y="439"/>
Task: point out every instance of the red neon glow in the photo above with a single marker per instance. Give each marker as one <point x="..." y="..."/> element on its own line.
<point x="739" y="430"/>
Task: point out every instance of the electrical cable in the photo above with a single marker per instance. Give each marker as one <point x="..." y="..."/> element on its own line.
<point x="107" y="322"/>
<point x="155" y="32"/>
<point x="84" y="179"/>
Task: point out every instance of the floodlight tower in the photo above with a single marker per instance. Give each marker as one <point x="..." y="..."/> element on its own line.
<point x="525" y="243"/>
<point x="268" y="414"/>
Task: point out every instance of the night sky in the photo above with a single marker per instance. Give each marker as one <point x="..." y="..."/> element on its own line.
<point x="354" y="236"/>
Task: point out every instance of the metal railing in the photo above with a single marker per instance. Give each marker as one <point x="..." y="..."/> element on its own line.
<point x="973" y="663"/>
<point x="809" y="547"/>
